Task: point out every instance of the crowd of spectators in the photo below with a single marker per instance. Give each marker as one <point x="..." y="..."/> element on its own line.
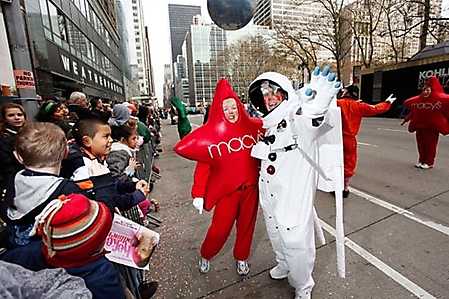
<point x="80" y="159"/>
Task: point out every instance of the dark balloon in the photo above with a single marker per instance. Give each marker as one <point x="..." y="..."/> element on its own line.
<point x="231" y="14"/>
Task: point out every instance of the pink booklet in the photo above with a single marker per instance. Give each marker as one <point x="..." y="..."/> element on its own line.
<point x="130" y="244"/>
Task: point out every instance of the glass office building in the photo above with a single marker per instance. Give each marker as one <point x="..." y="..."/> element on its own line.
<point x="203" y="44"/>
<point x="74" y="46"/>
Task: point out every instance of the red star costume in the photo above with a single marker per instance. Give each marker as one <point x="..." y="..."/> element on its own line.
<point x="226" y="175"/>
<point x="428" y="118"/>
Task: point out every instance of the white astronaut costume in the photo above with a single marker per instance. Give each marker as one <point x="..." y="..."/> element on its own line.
<point x="288" y="181"/>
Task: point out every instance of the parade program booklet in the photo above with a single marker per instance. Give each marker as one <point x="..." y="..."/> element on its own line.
<point x="130" y="244"/>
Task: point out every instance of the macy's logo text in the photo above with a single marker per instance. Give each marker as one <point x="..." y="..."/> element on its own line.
<point x="233" y="145"/>
<point x="430" y="106"/>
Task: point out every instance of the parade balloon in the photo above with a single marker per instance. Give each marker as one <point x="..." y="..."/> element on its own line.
<point x="231" y="14"/>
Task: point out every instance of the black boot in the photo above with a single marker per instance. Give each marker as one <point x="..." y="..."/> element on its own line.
<point x="147" y="289"/>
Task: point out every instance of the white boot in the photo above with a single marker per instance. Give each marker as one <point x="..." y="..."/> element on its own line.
<point x="203" y="265"/>
<point x="303" y="295"/>
<point x="278" y="273"/>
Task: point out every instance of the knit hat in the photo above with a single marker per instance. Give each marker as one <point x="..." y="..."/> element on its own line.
<point x="74" y="230"/>
<point x="353" y="91"/>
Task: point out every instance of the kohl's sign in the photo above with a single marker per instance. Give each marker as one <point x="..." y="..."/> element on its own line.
<point x="441" y="73"/>
<point x="89" y="75"/>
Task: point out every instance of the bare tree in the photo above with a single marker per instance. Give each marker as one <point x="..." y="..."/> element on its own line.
<point x="247" y="58"/>
<point x="324" y="30"/>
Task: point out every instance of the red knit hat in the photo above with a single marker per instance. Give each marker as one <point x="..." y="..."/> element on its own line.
<point x="74" y="231"/>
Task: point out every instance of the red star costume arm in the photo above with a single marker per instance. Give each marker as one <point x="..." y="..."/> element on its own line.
<point x="431" y="112"/>
<point x="224" y="146"/>
<point x="200" y="177"/>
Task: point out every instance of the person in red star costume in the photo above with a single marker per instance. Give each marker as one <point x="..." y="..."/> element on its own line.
<point x="429" y="117"/>
<point x="226" y="176"/>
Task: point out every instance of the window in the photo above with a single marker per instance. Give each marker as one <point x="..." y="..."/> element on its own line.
<point x="45" y="14"/>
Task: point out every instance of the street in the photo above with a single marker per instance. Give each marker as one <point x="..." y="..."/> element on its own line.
<point x="396" y="228"/>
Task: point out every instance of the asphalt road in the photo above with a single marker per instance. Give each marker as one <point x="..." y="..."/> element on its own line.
<point x="396" y="226"/>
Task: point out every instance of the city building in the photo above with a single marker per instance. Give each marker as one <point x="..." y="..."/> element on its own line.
<point x="181" y="81"/>
<point x="168" y="88"/>
<point x="74" y="46"/>
<point x="180" y="18"/>
<point x="148" y="67"/>
<point x="141" y="45"/>
<point x="127" y="48"/>
<point x="203" y="43"/>
<point x="406" y="39"/>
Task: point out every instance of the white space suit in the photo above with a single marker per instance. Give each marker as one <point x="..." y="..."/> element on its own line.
<point x="288" y="181"/>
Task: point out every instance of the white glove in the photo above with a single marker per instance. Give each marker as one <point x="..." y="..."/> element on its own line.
<point x="390" y="99"/>
<point x="198" y="203"/>
<point x="319" y="93"/>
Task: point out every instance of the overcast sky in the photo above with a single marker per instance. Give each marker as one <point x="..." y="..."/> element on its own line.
<point x="156" y="18"/>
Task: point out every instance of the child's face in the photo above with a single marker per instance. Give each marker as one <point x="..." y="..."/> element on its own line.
<point x="64" y="110"/>
<point x="230" y="110"/>
<point x="131" y="142"/>
<point x="14" y="118"/>
<point x="58" y="114"/>
<point x="101" y="143"/>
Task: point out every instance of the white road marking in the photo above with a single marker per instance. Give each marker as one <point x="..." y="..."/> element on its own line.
<point x="436" y="226"/>
<point x="393" y="130"/>
<point x="196" y="126"/>
<point x="390" y="272"/>
<point x="366" y="144"/>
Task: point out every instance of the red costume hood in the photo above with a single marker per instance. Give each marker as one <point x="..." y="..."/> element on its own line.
<point x="431" y="112"/>
<point x="225" y="146"/>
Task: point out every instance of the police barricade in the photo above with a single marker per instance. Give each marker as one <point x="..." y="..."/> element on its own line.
<point x="145" y="172"/>
<point x="145" y="157"/>
<point x="132" y="280"/>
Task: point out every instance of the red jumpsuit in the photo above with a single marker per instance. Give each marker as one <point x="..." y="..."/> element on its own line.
<point x="352" y="112"/>
<point x="240" y="206"/>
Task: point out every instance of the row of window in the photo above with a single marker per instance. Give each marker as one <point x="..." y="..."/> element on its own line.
<point x="87" y="11"/>
<point x="62" y="31"/>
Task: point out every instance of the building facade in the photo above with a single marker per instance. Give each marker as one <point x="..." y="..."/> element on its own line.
<point x="74" y="46"/>
<point x="203" y="44"/>
<point x="180" y="18"/>
<point x="141" y="45"/>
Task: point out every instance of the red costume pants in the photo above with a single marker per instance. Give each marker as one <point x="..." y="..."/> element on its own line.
<point x="349" y="155"/>
<point x="427" y="141"/>
<point x="240" y="206"/>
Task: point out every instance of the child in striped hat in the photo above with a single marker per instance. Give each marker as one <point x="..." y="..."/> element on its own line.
<point x="74" y="230"/>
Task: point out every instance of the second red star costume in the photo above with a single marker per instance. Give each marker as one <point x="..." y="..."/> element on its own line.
<point x="429" y="117"/>
<point x="226" y="175"/>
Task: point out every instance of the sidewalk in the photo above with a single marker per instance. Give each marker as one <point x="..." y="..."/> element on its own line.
<point x="174" y="264"/>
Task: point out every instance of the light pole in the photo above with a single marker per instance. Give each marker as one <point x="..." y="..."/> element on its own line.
<point x="302" y="68"/>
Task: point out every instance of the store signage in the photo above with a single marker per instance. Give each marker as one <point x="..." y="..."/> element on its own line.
<point x="442" y="73"/>
<point x="24" y="79"/>
<point x="87" y="75"/>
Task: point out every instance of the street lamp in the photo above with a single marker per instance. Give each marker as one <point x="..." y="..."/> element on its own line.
<point x="302" y="68"/>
